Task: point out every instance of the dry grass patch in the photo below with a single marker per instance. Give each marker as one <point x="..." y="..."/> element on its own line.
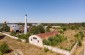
<point x="26" y="48"/>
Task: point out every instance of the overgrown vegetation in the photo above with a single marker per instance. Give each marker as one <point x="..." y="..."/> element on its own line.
<point x="24" y="36"/>
<point x="4" y="48"/>
<point x="46" y="49"/>
<point x="4" y="27"/>
<point x="13" y="33"/>
<point x="80" y="37"/>
<point x="54" y="40"/>
<point x="37" y="29"/>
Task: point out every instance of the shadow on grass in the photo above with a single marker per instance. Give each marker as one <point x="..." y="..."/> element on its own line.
<point x="2" y="36"/>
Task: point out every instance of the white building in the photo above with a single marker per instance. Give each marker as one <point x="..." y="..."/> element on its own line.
<point x="14" y="27"/>
<point x="25" y="26"/>
<point x="38" y="39"/>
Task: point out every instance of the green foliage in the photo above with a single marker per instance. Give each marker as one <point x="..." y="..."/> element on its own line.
<point x="47" y="29"/>
<point x="61" y="31"/>
<point x="54" y="40"/>
<point x="34" y="30"/>
<point x="37" y="29"/>
<point x="1" y="53"/>
<point x="4" y="48"/>
<point x="1" y="29"/>
<point x="74" y="27"/>
<point x="46" y="49"/>
<point x="79" y="43"/>
<point x="64" y="28"/>
<point x="24" y="36"/>
<point x="79" y="35"/>
<point x="13" y="33"/>
<point x="5" y="27"/>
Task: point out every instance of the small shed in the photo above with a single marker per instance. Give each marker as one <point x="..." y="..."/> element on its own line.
<point x="38" y="38"/>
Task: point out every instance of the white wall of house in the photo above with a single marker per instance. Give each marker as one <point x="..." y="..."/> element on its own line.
<point x="14" y="27"/>
<point x="36" y="40"/>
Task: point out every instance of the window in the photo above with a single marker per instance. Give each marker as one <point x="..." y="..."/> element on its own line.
<point x="38" y="41"/>
<point x="34" y="38"/>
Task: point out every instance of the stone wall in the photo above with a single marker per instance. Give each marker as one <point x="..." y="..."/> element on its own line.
<point x="74" y="48"/>
<point x="58" y="50"/>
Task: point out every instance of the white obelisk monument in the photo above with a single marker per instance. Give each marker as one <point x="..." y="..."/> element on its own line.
<point x="25" y="26"/>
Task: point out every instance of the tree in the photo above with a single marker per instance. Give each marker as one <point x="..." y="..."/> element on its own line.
<point x="34" y="30"/>
<point x="47" y="29"/>
<point x="5" y="27"/>
<point x="37" y="29"/>
<point x="40" y="29"/>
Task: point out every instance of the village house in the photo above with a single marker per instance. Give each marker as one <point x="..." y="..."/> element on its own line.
<point x="38" y="38"/>
<point x="14" y="27"/>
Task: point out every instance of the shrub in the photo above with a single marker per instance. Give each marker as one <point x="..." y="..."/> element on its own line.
<point x="61" y="31"/>
<point x="4" y="48"/>
<point x="79" y="43"/>
<point x="1" y="53"/>
<point x="1" y="30"/>
<point x="13" y="33"/>
<point x="54" y="40"/>
<point x="64" y="28"/>
<point x="79" y="35"/>
<point x="45" y="42"/>
<point x="46" y="49"/>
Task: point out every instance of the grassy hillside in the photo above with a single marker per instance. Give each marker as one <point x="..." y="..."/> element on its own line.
<point x="26" y="48"/>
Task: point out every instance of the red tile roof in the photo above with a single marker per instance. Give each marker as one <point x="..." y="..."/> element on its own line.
<point x="47" y="34"/>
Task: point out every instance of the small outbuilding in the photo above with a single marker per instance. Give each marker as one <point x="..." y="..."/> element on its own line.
<point x="38" y="39"/>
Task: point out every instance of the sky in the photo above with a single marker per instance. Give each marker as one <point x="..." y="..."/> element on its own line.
<point x="42" y="11"/>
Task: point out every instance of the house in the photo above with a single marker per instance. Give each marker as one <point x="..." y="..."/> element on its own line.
<point x="14" y="27"/>
<point x="38" y="38"/>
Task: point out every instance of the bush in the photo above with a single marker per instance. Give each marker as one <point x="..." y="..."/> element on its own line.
<point x="1" y="53"/>
<point x="79" y="35"/>
<point x="61" y="31"/>
<point x="79" y="43"/>
<point x="1" y="30"/>
<point x="54" y="40"/>
<point x="13" y="33"/>
<point x="74" y="27"/>
<point x="4" y="48"/>
<point x="24" y="36"/>
<point x="46" y="49"/>
<point x="64" y="28"/>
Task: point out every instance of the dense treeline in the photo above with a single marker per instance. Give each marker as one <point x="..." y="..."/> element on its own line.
<point x="54" y="24"/>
